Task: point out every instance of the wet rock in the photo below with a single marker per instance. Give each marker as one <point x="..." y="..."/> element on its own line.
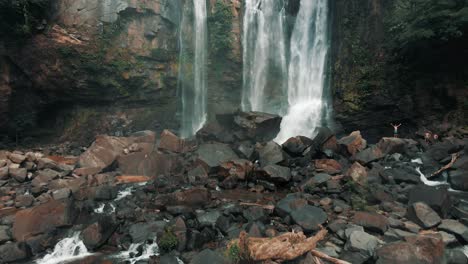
<point x="14" y="252"/>
<point x="329" y="166"/>
<point x="87" y="171"/>
<point x="180" y="231"/>
<point x="194" y="197"/>
<point x="42" y="218"/>
<point x="456" y="256"/>
<point x="402" y="174"/>
<point x="271" y="153"/>
<point x="362" y="243"/>
<point x="369" y="155"/>
<point x="358" y="173"/>
<point x="141" y="232"/>
<point x="277" y="174"/>
<point x="103" y="152"/>
<point x="152" y="165"/>
<point x="437" y="198"/>
<point x="46" y="163"/>
<point x="254" y="213"/>
<point x="353" y="143"/>
<point x="417" y="249"/>
<point x="4" y="234"/>
<point x="43" y="177"/>
<point x="171" y="142"/>
<point x="208" y="256"/>
<point x="61" y="194"/>
<point x="17" y="158"/>
<point x="259" y="126"/>
<point x="297" y="145"/>
<point x="208" y="219"/>
<point x="309" y="217"/>
<point x="197" y="174"/>
<point x="96" y="234"/>
<point x="454" y="227"/>
<point x="24" y="200"/>
<point x="239" y="168"/>
<point x="4" y="173"/>
<point x="458" y="179"/>
<point x="371" y="221"/>
<point x="423" y="215"/>
<point x="442" y="150"/>
<point x="389" y="146"/>
<point x="246" y="149"/>
<point x="19" y="174"/>
<point x="212" y="155"/>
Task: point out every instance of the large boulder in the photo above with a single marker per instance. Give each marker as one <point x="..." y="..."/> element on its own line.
<point x="297" y="145"/>
<point x="171" y="142"/>
<point x="362" y="243"/>
<point x="353" y="143"/>
<point x="259" y="126"/>
<point x="438" y="198"/>
<point x="423" y="215"/>
<point x="401" y="174"/>
<point x="389" y="146"/>
<point x="458" y="179"/>
<point x="43" y="218"/>
<point x="307" y="216"/>
<point x="195" y="197"/>
<point x="415" y="250"/>
<point x="152" y="165"/>
<point x="454" y="227"/>
<point x="98" y="233"/>
<point x="358" y="173"/>
<point x="277" y="174"/>
<point x="369" y="155"/>
<point x="270" y="153"/>
<point x="14" y="252"/>
<point x="239" y="168"/>
<point x="212" y="155"/>
<point x="371" y="221"/>
<point x="103" y="152"/>
<point x="329" y="166"/>
<point x="105" y="149"/>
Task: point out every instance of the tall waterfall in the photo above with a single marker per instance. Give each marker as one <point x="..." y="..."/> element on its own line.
<point x="192" y="69"/>
<point x="309" y="48"/>
<point x="264" y="56"/>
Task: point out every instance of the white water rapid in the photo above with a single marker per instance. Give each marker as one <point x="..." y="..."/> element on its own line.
<point x="68" y="249"/>
<point x="264" y="57"/>
<point x="192" y="69"/>
<point x="306" y="80"/>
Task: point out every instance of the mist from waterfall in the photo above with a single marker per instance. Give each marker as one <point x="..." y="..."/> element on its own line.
<point x="306" y="75"/>
<point x="192" y="67"/>
<point x="264" y="57"/>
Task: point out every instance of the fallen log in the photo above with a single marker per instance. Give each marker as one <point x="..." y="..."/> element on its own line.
<point x="288" y="246"/>
<point x="328" y="258"/>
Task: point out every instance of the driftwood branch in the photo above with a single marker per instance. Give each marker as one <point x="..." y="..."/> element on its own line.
<point x="288" y="246"/>
<point x="264" y="206"/>
<point x="448" y="166"/>
<point x="328" y="258"/>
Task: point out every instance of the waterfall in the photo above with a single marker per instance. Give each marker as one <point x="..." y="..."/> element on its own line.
<point x="264" y="57"/>
<point x="68" y="249"/>
<point x="192" y="69"/>
<point x="306" y="76"/>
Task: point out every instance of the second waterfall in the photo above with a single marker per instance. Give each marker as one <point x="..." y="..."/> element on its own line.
<point x="192" y="66"/>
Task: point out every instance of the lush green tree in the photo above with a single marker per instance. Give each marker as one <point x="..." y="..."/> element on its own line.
<point x="413" y="23"/>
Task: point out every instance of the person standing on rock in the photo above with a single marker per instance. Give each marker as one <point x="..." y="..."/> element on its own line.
<point x="395" y="129"/>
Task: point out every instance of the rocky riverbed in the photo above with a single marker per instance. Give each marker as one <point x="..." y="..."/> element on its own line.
<point x="150" y="198"/>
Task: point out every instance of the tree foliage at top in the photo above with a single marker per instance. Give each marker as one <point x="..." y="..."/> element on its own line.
<point x="413" y="21"/>
<point x="22" y="17"/>
<point x="220" y="26"/>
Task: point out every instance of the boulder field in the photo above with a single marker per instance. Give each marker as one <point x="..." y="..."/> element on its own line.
<point x="397" y="201"/>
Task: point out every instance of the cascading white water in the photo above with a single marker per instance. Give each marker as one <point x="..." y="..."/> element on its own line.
<point x="68" y="249"/>
<point x="192" y="72"/>
<point x="306" y="76"/>
<point x="264" y="57"/>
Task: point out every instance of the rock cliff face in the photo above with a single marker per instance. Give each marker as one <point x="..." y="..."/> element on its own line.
<point x="102" y="67"/>
<point x="370" y="89"/>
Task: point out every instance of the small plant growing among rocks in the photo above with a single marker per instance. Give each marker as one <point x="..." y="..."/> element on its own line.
<point x="168" y="240"/>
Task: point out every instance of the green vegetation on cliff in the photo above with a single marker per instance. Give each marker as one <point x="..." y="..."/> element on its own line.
<point x="220" y="26"/>
<point x="23" y="17"/>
